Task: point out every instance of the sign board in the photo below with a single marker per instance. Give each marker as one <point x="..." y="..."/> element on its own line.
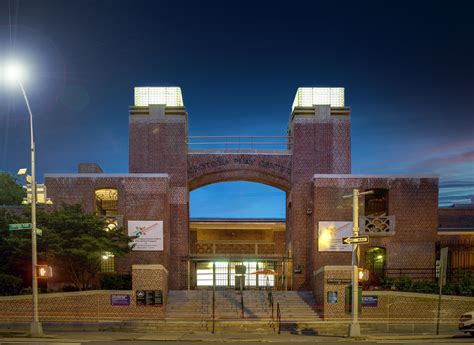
<point x="149" y="297"/>
<point x="330" y="235"/>
<point x="149" y="234"/>
<point x="119" y="299"/>
<point x="338" y="281"/>
<point x="355" y="239"/>
<point x="21" y="226"/>
<point x="370" y="301"/>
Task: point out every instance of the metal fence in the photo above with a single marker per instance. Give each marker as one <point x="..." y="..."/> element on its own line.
<point x="239" y="143"/>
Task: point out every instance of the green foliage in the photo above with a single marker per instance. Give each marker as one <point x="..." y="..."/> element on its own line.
<point x="76" y="241"/>
<point x="387" y="283"/>
<point x="15" y="247"/>
<point x="464" y="282"/>
<point x="11" y="193"/>
<point x="116" y="282"/>
<point x="403" y="283"/>
<point x="10" y="285"/>
<point x="425" y="286"/>
<point x="461" y="283"/>
<point x="449" y="289"/>
<point x="72" y="240"/>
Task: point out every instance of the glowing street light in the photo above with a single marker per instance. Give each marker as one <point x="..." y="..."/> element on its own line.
<point x="14" y="74"/>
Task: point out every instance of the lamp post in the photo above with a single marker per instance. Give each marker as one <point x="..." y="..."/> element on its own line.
<point x="14" y="73"/>
<point x="354" y="327"/>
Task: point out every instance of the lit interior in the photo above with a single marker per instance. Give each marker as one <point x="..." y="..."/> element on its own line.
<point x="169" y="96"/>
<point x="224" y="272"/>
<point x="310" y="96"/>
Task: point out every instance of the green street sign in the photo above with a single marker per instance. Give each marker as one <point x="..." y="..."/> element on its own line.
<point x="21" y="226"/>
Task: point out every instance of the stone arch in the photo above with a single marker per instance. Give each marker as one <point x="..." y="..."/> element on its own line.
<point x="239" y="175"/>
<point x="272" y="170"/>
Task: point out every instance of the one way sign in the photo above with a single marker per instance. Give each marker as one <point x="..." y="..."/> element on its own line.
<point x="355" y="239"/>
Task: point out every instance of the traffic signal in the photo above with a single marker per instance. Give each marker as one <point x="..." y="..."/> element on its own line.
<point x="44" y="271"/>
<point x="363" y="275"/>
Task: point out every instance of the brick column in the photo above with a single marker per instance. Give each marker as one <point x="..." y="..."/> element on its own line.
<point x="321" y="144"/>
<point x="158" y="136"/>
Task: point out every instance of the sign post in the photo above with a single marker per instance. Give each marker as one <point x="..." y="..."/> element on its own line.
<point x="355" y="239"/>
<point x="443" y="260"/>
<point x="20" y="226"/>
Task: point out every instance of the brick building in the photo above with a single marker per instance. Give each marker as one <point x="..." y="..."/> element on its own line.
<point x="312" y="164"/>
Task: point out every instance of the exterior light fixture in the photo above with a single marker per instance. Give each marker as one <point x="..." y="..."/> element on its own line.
<point x="14" y="72"/>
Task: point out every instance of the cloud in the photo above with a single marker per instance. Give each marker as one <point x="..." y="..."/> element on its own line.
<point x="441" y="161"/>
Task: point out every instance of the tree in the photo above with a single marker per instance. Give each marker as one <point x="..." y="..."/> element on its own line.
<point x="76" y="242"/>
<point x="15" y="247"/>
<point x="11" y="193"/>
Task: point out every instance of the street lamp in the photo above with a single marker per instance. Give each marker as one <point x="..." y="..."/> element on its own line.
<point x="14" y="74"/>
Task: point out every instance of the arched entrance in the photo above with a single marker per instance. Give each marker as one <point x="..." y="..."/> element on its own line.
<point x="220" y="244"/>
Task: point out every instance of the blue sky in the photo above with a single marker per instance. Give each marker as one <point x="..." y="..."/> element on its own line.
<point x="408" y="70"/>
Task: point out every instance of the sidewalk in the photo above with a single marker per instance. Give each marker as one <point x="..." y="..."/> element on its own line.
<point x="285" y="337"/>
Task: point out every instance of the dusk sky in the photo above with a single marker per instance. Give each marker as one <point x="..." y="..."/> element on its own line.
<point x="407" y="69"/>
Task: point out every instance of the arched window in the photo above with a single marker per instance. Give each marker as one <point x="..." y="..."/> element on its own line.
<point x="375" y="261"/>
<point x="106" y="202"/>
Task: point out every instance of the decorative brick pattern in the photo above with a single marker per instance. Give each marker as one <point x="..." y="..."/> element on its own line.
<point x="150" y="277"/>
<point x="86" y="306"/>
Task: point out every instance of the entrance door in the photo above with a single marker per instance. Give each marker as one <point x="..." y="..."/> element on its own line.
<point x="222" y="273"/>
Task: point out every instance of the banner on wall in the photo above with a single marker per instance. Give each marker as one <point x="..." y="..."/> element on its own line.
<point x="149" y="234"/>
<point x="330" y="236"/>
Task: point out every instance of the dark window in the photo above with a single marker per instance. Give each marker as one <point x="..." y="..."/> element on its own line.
<point x="376" y="204"/>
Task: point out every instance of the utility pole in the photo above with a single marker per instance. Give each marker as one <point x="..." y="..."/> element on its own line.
<point x="354" y="327"/>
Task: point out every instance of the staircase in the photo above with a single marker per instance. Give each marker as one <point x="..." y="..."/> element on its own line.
<point x="296" y="305"/>
<point x="191" y="311"/>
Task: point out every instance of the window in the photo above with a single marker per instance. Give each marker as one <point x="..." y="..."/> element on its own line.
<point x="375" y="260"/>
<point x="106" y="202"/>
<point x="107" y="263"/>
<point x="376" y="204"/>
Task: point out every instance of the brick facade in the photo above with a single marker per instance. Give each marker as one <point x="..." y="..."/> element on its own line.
<point x="163" y="170"/>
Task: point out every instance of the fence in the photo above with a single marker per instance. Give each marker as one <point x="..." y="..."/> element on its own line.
<point x="239" y="143"/>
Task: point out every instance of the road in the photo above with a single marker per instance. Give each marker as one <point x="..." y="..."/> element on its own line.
<point x="312" y="341"/>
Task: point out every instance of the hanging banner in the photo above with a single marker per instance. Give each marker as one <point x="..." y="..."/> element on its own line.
<point x="330" y="236"/>
<point x="149" y="234"/>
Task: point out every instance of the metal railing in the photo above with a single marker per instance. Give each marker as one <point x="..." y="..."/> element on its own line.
<point x="242" y="301"/>
<point x="271" y="303"/>
<point x="233" y="247"/>
<point x="213" y="310"/>
<point x="428" y="274"/>
<point x="239" y="143"/>
<point x="279" y="317"/>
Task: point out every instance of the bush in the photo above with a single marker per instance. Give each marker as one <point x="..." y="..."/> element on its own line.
<point x="116" y="282"/>
<point x="387" y="283"/>
<point x="424" y="286"/>
<point x="70" y="288"/>
<point x="10" y="285"/>
<point x="449" y="289"/>
<point x="403" y="283"/>
<point x="466" y="286"/>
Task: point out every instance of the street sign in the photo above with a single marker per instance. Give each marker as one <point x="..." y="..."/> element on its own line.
<point x="21" y="226"/>
<point x="355" y="240"/>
